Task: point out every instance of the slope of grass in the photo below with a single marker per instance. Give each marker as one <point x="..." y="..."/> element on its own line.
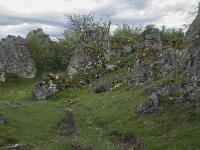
<point x="34" y="124"/>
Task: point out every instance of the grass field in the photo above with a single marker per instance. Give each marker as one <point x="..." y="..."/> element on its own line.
<point x="102" y="120"/>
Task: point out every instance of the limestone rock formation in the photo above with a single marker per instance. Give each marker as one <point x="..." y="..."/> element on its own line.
<point x="15" y="57"/>
<point x="193" y="40"/>
<point x="92" y="51"/>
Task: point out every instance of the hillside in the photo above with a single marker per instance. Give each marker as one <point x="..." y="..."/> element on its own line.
<point x="130" y="91"/>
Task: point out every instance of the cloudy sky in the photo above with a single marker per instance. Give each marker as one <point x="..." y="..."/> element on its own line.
<point x="18" y="17"/>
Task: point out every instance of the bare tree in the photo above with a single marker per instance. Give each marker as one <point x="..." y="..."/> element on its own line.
<point x="81" y="22"/>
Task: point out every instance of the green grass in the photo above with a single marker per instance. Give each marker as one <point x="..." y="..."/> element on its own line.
<point x="34" y="124"/>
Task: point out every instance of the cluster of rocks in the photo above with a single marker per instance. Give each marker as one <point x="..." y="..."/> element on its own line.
<point x="189" y="61"/>
<point x="91" y="52"/>
<point x="15" y="56"/>
<point x="48" y="86"/>
<point x="126" y="49"/>
<point x="154" y="62"/>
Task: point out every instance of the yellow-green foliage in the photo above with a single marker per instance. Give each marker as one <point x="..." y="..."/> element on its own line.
<point x="178" y="44"/>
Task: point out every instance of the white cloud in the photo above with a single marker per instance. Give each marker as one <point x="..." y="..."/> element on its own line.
<point x="21" y="16"/>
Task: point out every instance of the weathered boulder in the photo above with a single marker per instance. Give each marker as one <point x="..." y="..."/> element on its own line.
<point x="149" y="106"/>
<point x="43" y="90"/>
<point x="49" y="85"/>
<point x="15" y="57"/>
<point x="91" y="52"/>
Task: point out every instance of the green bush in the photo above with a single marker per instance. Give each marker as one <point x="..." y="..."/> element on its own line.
<point x="40" y="52"/>
<point x="124" y="34"/>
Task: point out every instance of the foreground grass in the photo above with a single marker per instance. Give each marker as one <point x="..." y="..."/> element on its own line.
<point x="34" y="124"/>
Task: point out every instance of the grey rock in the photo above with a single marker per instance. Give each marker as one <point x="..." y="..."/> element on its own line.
<point x="49" y="85"/>
<point x="111" y="67"/>
<point x="127" y="49"/>
<point x="149" y="107"/>
<point x="159" y="91"/>
<point x="4" y="120"/>
<point x="2" y="73"/>
<point x="87" y="59"/>
<point x="193" y="40"/>
<point x="16" y="58"/>
<point x="43" y="90"/>
<point x="15" y="147"/>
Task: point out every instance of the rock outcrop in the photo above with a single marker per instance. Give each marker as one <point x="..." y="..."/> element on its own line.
<point x="15" y="57"/>
<point x="48" y="86"/>
<point x="91" y="52"/>
<point x="44" y="39"/>
<point x="193" y="40"/>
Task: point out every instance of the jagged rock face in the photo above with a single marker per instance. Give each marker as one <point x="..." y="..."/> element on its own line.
<point x="149" y="106"/>
<point x="15" y="57"/>
<point x="49" y="85"/>
<point x="44" y="38"/>
<point x="91" y="52"/>
<point x="152" y="38"/>
<point x="193" y="40"/>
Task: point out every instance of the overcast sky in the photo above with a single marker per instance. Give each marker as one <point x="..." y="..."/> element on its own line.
<point x="18" y="17"/>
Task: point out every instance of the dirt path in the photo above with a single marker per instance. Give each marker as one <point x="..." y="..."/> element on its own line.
<point x="67" y="126"/>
